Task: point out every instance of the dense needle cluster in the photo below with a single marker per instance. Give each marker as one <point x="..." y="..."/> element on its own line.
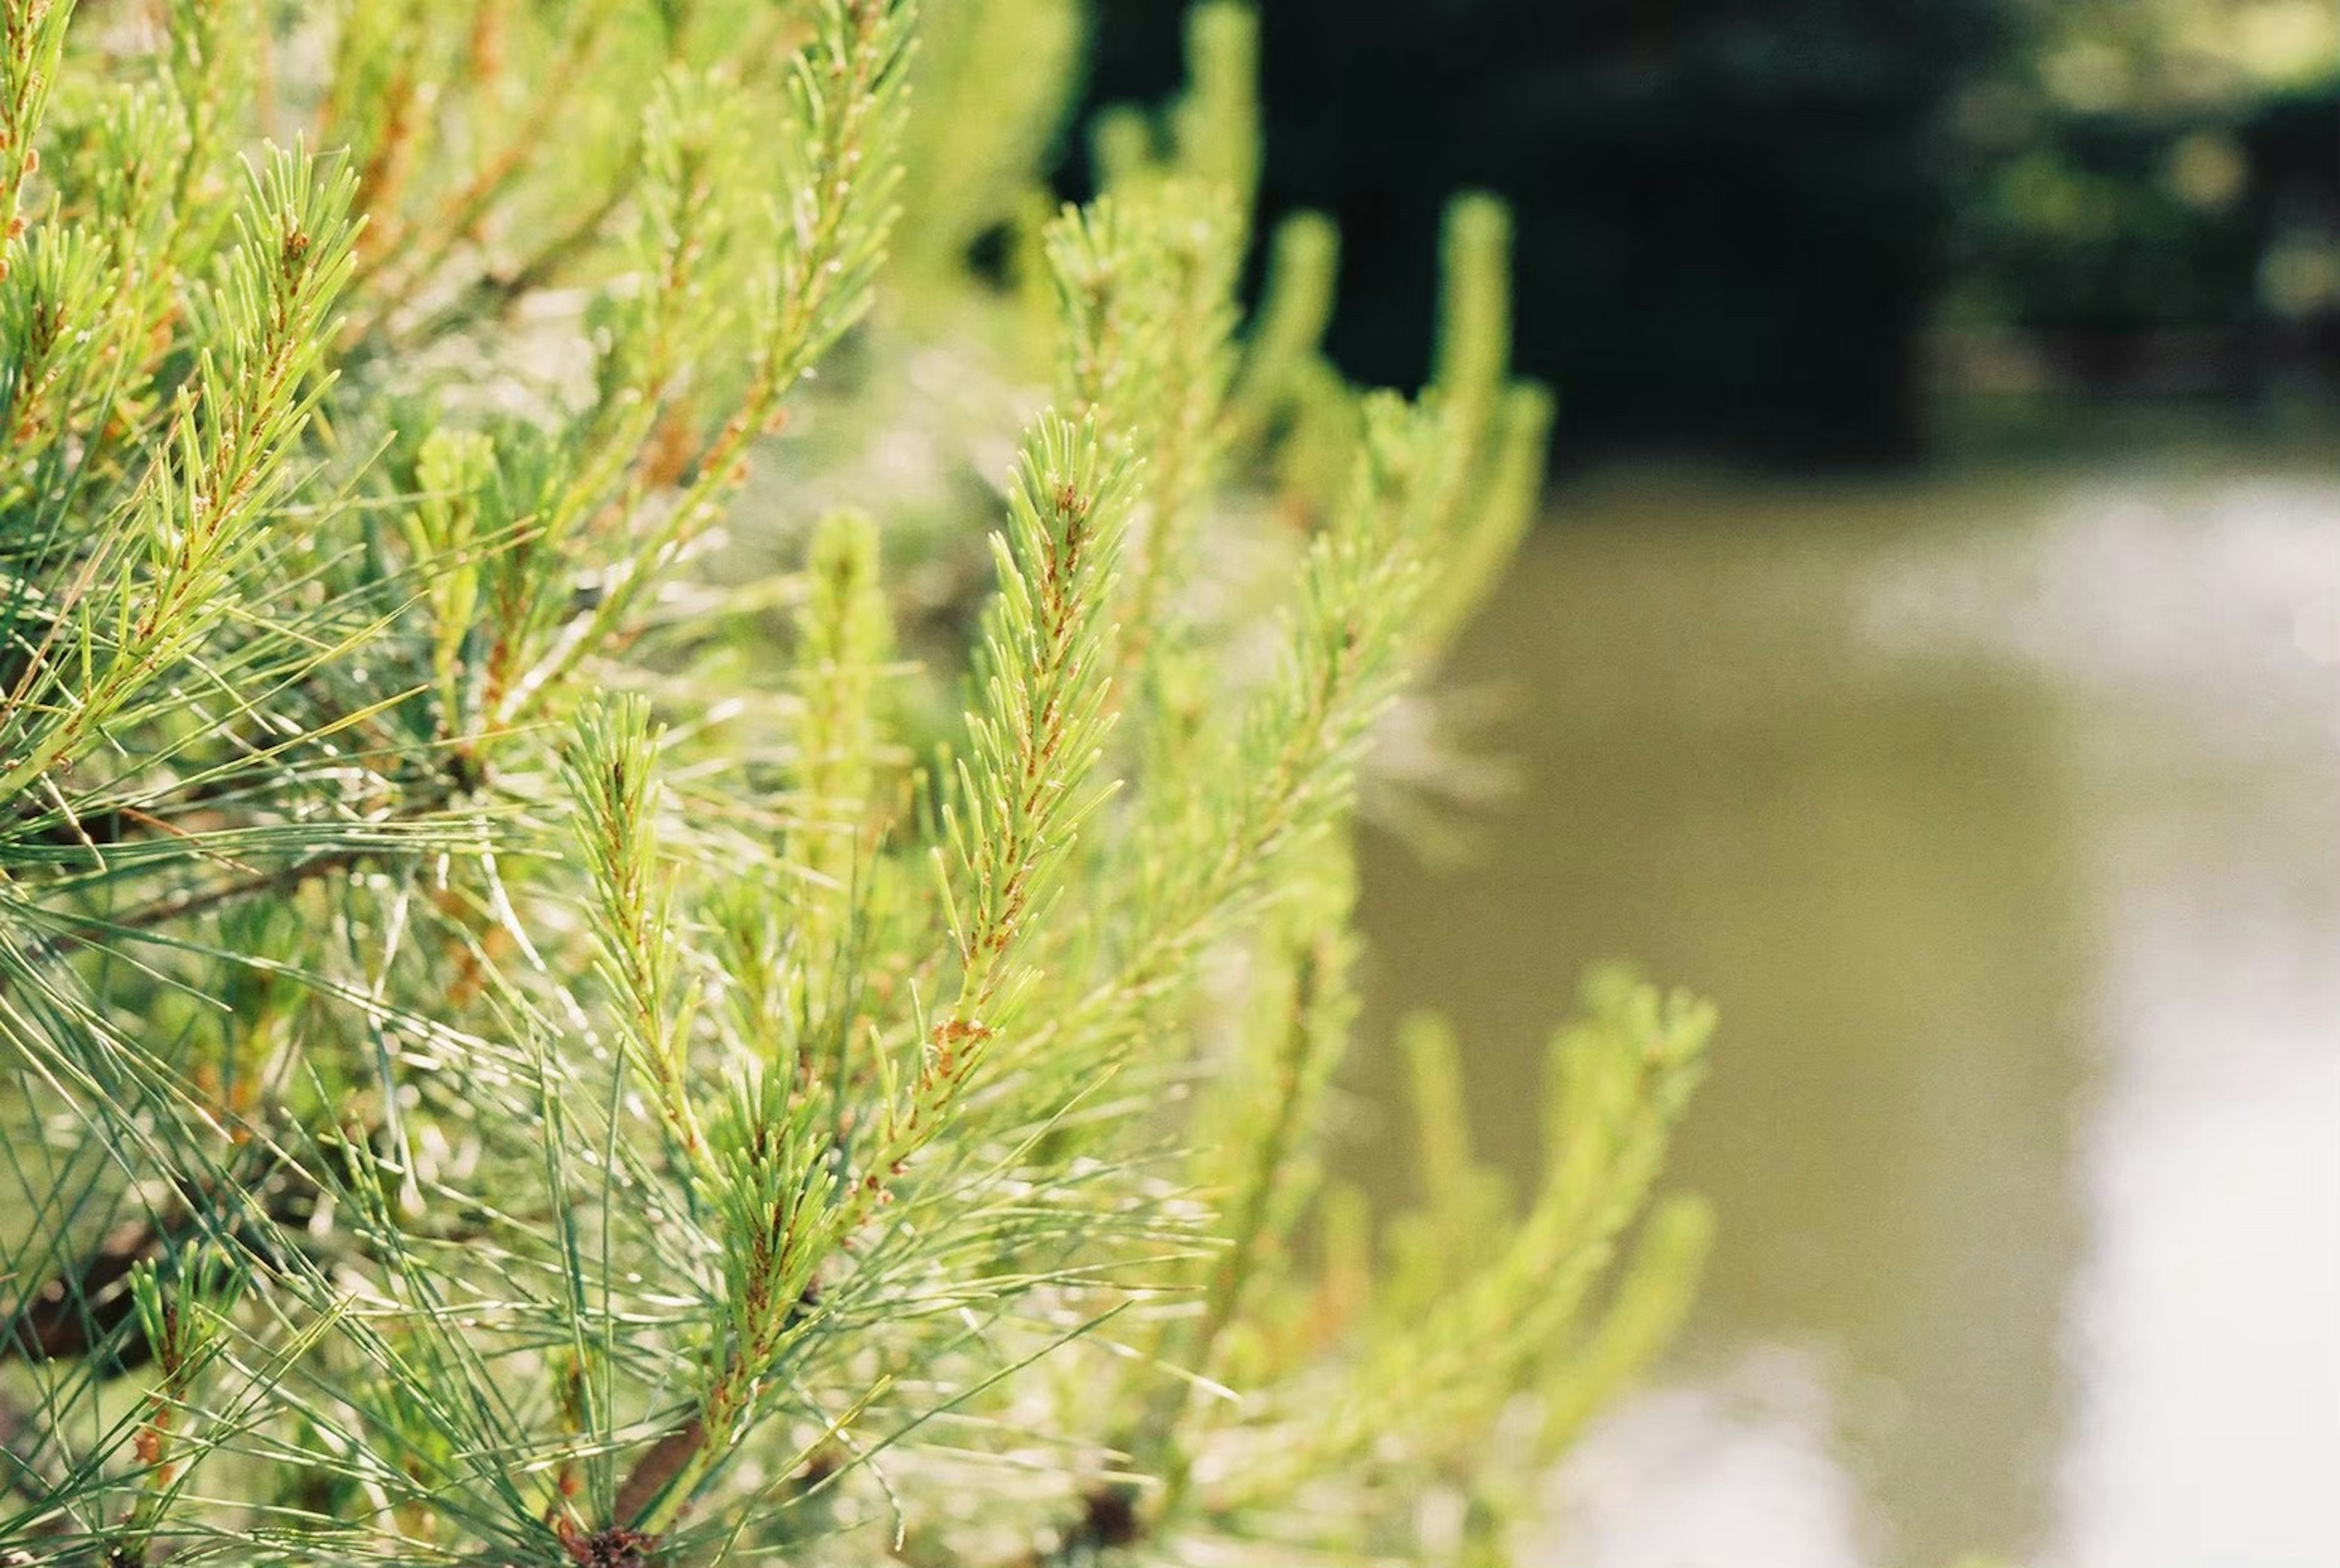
<point x="614" y="954"/>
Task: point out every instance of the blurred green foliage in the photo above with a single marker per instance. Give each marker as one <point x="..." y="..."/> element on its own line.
<point x="2140" y="168"/>
<point x="1741" y="227"/>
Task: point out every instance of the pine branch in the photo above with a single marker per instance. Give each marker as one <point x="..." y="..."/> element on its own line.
<point x="32" y="41"/>
<point x="554" y="1011"/>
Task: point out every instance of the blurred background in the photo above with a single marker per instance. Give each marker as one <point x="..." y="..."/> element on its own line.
<point x="1933" y="653"/>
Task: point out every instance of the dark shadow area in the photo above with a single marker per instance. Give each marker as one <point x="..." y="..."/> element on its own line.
<point x="1741" y="225"/>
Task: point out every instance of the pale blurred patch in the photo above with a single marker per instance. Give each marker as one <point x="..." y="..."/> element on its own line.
<point x="1735" y="1472"/>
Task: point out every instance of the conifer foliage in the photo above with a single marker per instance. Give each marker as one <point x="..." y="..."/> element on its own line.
<point x="611" y="953"/>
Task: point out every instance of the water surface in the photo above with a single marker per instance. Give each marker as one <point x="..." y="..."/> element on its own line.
<point x="2000" y="813"/>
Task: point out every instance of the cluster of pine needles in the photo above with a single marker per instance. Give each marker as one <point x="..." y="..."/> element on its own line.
<point x="612" y="952"/>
